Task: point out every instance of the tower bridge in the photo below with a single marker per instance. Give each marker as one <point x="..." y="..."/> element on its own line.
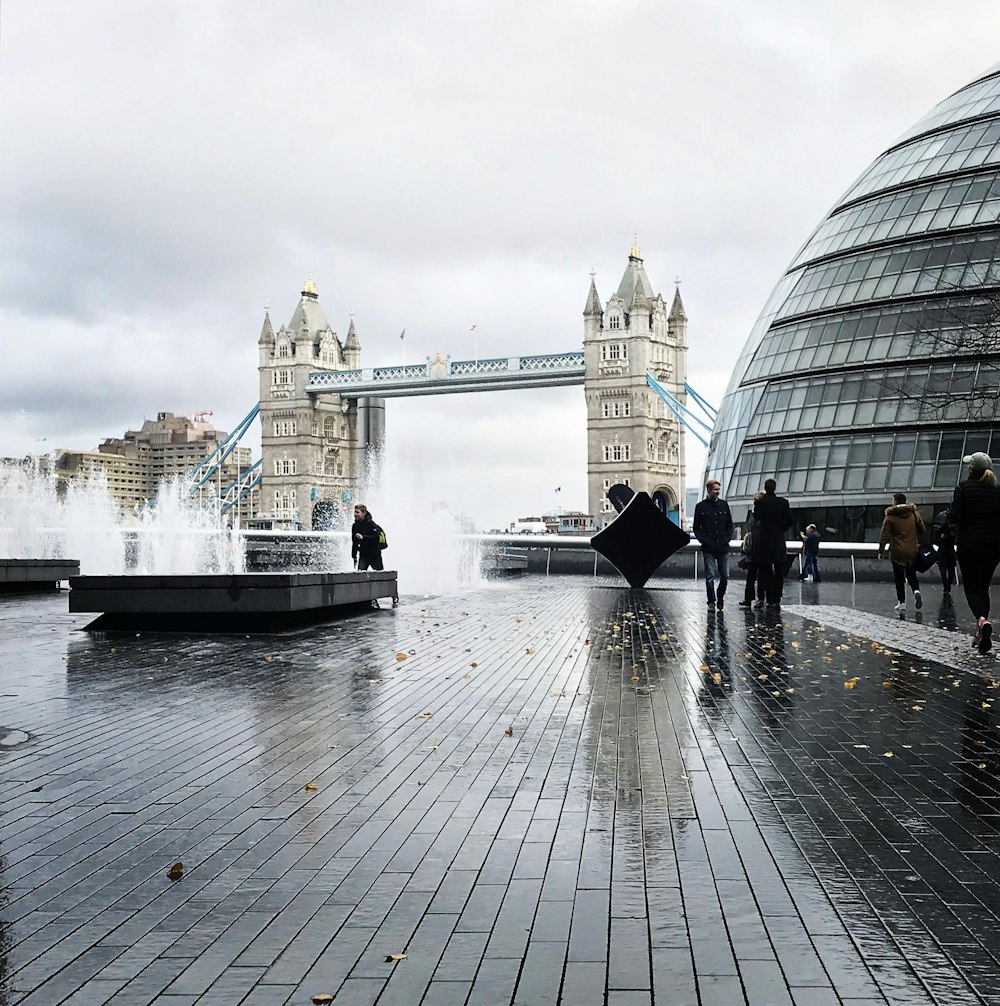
<point x="321" y="411"/>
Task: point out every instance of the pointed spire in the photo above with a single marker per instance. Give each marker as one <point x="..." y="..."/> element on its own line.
<point x="593" y="308"/>
<point x="309" y="289"/>
<point x="266" y="331"/>
<point x="351" y="342"/>
<point x="677" y="308"/>
<point x="635" y="252"/>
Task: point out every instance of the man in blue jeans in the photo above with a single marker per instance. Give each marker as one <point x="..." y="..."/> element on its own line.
<point x="713" y="527"/>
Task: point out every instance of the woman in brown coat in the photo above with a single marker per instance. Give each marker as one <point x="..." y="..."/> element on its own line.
<point x="901" y="531"/>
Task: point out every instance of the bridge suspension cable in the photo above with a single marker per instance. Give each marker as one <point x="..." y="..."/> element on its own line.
<point x="684" y="415"/>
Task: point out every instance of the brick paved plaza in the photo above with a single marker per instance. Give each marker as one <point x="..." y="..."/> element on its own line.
<point x="548" y="790"/>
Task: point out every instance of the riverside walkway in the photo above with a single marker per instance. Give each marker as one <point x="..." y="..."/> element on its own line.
<point x="547" y="790"/>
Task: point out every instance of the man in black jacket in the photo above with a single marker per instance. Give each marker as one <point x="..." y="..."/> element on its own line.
<point x="713" y="527"/>
<point x="975" y="515"/>
<point x="775" y="517"/>
<point x="365" y="547"/>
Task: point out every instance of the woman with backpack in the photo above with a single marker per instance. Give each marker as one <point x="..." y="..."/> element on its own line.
<point x="366" y="540"/>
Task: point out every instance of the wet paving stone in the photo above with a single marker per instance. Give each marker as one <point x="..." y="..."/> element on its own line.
<point x="551" y="790"/>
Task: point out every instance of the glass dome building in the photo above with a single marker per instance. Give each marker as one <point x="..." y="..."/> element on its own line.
<point x="874" y="365"/>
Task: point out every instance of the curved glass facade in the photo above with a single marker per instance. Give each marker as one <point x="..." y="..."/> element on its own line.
<point x="854" y="381"/>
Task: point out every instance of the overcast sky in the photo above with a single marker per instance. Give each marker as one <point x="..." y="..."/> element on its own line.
<point x="167" y="168"/>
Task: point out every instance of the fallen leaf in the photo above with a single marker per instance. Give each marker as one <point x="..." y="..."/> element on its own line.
<point x="473" y="664"/>
<point x="395" y="957"/>
<point x="635" y="677"/>
<point x="982" y="764"/>
<point x="703" y="667"/>
<point x="322" y="997"/>
<point x="176" y="871"/>
<point x="311" y="786"/>
<point x="269" y="658"/>
<point x="887" y="754"/>
<point x="917" y="709"/>
<point x="400" y="655"/>
<point x="717" y="678"/>
<point x="850" y="682"/>
<point x="529" y="649"/>
<point x="425" y="716"/>
<point x="861" y="745"/>
<point x="509" y="731"/>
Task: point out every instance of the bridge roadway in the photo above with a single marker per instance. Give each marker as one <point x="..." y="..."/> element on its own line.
<point x="552" y="790"/>
<point x="442" y="376"/>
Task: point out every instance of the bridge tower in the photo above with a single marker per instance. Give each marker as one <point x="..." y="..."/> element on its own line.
<point x="631" y="436"/>
<point x="309" y="443"/>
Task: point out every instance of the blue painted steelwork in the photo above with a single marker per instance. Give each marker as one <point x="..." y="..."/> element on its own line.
<point x="208" y="467"/>
<point x="441" y="375"/>
<point x="242" y="486"/>
<point x="683" y="414"/>
<point x="710" y="410"/>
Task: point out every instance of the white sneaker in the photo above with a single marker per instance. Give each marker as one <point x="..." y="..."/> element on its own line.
<point x="917" y="599"/>
<point x="900" y="607"/>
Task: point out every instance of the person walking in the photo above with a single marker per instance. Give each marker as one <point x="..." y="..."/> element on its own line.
<point x="810" y="553"/>
<point x="366" y="550"/>
<point x="943" y="534"/>
<point x="774" y="516"/>
<point x="751" y="552"/>
<point x="975" y="515"/>
<point x="900" y="534"/>
<point x="713" y="527"/>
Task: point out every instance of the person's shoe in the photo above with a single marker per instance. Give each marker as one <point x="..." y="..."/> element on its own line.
<point x="975" y="639"/>
<point x="901" y="606"/>
<point x="817" y="579"/>
<point x="917" y="599"/>
<point x="745" y="604"/>
<point x="804" y="576"/>
<point x="947" y="589"/>
<point x="759" y="605"/>
<point x="985" y="637"/>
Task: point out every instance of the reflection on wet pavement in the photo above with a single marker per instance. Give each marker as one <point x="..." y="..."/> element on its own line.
<point x="550" y="790"/>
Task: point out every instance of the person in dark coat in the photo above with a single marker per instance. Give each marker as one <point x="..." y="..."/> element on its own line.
<point x="944" y="541"/>
<point x="975" y="515"/>
<point x="810" y="553"/>
<point x="775" y="517"/>
<point x="713" y="527"/>
<point x="365" y="548"/>
<point x="751" y="555"/>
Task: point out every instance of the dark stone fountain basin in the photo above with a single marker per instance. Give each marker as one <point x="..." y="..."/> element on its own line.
<point x="19" y="576"/>
<point x="241" y="602"/>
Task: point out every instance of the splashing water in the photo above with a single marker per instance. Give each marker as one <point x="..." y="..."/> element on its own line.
<point x="176" y="535"/>
<point x="426" y="543"/>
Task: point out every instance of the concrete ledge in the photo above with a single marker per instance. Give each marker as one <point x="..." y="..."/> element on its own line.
<point x="18" y="576"/>
<point x="247" y="602"/>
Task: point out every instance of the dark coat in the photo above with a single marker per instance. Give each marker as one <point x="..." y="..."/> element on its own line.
<point x="775" y="518"/>
<point x="975" y="514"/>
<point x="810" y="544"/>
<point x="713" y="526"/>
<point x="901" y="531"/>
<point x="368" y="546"/>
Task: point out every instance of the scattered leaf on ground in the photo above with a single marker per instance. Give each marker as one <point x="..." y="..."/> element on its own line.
<point x="311" y="786"/>
<point x="176" y="871"/>
<point x="425" y="716"/>
<point x="395" y="957"/>
<point x="509" y="731"/>
<point x="400" y="655"/>
<point x="322" y="997"/>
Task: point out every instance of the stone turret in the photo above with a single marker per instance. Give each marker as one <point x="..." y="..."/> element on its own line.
<point x="352" y="348"/>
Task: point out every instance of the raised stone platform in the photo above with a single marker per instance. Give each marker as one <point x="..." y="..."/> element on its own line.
<point x="245" y="602"/>
<point x="21" y="576"/>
